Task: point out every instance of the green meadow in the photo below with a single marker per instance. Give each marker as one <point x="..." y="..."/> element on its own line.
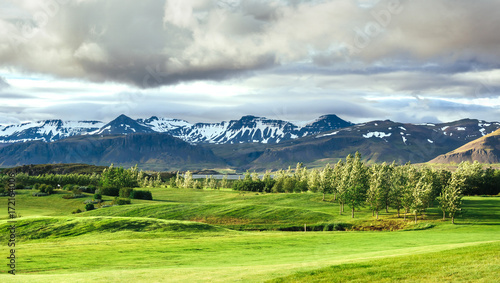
<point x="188" y="235"/>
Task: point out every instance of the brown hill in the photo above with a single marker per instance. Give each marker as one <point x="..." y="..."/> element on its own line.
<point x="484" y="150"/>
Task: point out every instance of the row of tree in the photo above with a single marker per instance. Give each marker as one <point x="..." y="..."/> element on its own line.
<point x="380" y="186"/>
<point x="111" y="177"/>
<point x="188" y="182"/>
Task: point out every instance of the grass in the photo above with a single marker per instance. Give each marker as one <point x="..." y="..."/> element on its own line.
<point x="150" y="241"/>
<point x="473" y="263"/>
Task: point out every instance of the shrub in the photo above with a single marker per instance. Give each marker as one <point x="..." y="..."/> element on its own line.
<point x="125" y="192"/>
<point x="110" y="191"/>
<point x="97" y="196"/>
<point x="121" y="201"/>
<point x="67" y="196"/>
<point x="77" y="211"/>
<point x="91" y="189"/>
<point x="173" y="183"/>
<point x="198" y="185"/>
<point x="19" y="187"/>
<point x="49" y="189"/>
<point x="67" y="187"/>
<point x="138" y="194"/>
<point x="89" y="206"/>
<point x="42" y="188"/>
<point x="88" y="189"/>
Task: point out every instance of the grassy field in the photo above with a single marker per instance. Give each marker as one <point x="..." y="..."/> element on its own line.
<point x="225" y="236"/>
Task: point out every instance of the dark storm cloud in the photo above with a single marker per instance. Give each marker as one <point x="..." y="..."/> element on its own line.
<point x="157" y="42"/>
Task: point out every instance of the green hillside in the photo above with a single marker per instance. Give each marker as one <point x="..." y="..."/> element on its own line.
<point x="188" y="235"/>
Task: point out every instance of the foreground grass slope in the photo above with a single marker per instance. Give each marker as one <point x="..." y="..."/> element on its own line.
<point x="148" y="242"/>
<point x="467" y="264"/>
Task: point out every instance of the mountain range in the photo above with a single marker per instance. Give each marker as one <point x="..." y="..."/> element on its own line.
<point x="248" y="143"/>
<point x="247" y="129"/>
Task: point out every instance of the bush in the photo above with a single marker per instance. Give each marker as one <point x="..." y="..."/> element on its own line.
<point x="42" y="188"/>
<point x="125" y="192"/>
<point x="39" y="194"/>
<point x="77" y="211"/>
<point x="88" y="189"/>
<point x="19" y="187"/>
<point x="91" y="189"/>
<point x="138" y="194"/>
<point x="173" y="183"/>
<point x="89" y="206"/>
<point x="198" y="185"/>
<point x="97" y="196"/>
<point x="49" y="189"/>
<point x="67" y="196"/>
<point x="121" y="201"/>
<point x="110" y="191"/>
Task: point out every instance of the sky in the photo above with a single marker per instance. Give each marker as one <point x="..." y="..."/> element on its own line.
<point x="213" y="60"/>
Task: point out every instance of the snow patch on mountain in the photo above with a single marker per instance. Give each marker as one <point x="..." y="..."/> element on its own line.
<point x="376" y="134"/>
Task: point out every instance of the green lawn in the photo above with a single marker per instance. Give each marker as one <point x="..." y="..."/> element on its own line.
<point x="151" y="241"/>
<point x="478" y="263"/>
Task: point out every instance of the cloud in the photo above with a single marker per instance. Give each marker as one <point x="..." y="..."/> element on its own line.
<point x="3" y="83"/>
<point x="152" y="43"/>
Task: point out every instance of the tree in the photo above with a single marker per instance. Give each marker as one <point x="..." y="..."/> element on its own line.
<point x="337" y="178"/>
<point x="357" y="185"/>
<point x="344" y="182"/>
<point x="268" y="182"/>
<point x="224" y="182"/>
<point x="421" y="192"/>
<point x="179" y="180"/>
<point x="451" y="197"/>
<point x="473" y="175"/>
<point x="313" y="180"/>
<point x="188" y="180"/>
<point x="325" y="180"/>
<point x="377" y="193"/>
<point x="118" y="177"/>
<point x="411" y="177"/>
<point x="397" y="188"/>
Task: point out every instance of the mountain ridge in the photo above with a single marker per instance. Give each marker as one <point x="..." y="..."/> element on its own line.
<point x="247" y="129"/>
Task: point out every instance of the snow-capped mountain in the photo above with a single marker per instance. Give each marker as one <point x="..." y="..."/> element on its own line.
<point x="163" y="125"/>
<point x="251" y="129"/>
<point x="123" y="125"/>
<point x="248" y="129"/>
<point x="377" y="141"/>
<point x="48" y="130"/>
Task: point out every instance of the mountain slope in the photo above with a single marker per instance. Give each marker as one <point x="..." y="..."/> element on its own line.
<point x="148" y="150"/>
<point x="485" y="150"/>
<point x="49" y="130"/>
<point x="377" y="141"/>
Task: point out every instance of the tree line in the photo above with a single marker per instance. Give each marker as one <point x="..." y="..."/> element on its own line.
<point x="406" y="188"/>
